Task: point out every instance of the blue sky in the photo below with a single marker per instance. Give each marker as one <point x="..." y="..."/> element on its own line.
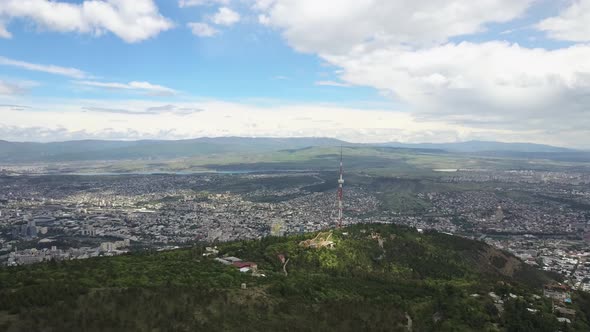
<point x="246" y="61"/>
<point x="365" y="71"/>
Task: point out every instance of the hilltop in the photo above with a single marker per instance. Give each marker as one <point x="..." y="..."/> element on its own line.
<point x="377" y="277"/>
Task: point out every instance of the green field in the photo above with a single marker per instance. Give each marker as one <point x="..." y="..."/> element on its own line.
<point x="370" y="160"/>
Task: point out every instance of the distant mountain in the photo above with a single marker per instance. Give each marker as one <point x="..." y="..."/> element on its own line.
<point x="87" y="150"/>
<point x="570" y="156"/>
<point x="94" y="150"/>
<point x="482" y="146"/>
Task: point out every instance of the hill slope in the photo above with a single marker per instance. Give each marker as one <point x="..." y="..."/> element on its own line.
<point x="378" y="277"/>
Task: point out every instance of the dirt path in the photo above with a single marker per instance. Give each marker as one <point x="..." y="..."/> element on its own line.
<point x="410" y="322"/>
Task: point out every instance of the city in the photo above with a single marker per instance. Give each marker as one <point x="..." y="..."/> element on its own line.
<point x="541" y="217"/>
<point x="294" y="165"/>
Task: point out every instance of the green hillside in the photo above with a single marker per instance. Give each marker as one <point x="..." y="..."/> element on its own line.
<point x="377" y="277"/>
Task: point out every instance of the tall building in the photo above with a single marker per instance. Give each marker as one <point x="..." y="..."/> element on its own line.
<point x="28" y="230"/>
<point x="31" y="227"/>
<point x="499" y="215"/>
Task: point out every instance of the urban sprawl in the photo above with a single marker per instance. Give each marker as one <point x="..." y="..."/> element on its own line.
<point x="541" y="217"/>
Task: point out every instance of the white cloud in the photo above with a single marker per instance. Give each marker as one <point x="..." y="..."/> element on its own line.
<point x="3" y="32"/>
<point x="50" y="69"/>
<point x="572" y="24"/>
<point x="402" y="48"/>
<point x="15" y="87"/>
<point x="225" y="16"/>
<point x="263" y="4"/>
<point x="202" y="29"/>
<point x="135" y="119"/>
<point x="238" y="120"/>
<point x="263" y="19"/>
<point x="332" y="83"/>
<point x="333" y="26"/>
<point x="407" y="49"/>
<point x="132" y="21"/>
<point x="489" y="83"/>
<point x="152" y="110"/>
<point x="195" y="3"/>
<point x="10" y="89"/>
<point x="150" y="89"/>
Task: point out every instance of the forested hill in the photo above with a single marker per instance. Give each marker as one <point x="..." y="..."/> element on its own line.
<point x="376" y="278"/>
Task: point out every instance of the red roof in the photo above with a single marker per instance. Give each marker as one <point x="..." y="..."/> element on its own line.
<point x="557" y="287"/>
<point x="240" y="265"/>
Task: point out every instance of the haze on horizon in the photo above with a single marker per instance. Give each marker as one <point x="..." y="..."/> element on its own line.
<point x="357" y="70"/>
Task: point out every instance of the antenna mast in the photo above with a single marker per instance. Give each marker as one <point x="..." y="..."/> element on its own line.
<point x="340" y="183"/>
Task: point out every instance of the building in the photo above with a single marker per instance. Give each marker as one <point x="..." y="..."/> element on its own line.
<point x="28" y="230"/>
<point x="556" y="292"/>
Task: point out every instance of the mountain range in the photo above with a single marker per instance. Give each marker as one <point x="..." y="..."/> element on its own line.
<point x="93" y="150"/>
<point x="481" y="146"/>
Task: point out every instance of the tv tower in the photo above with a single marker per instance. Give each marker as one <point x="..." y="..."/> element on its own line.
<point x="340" y="183"/>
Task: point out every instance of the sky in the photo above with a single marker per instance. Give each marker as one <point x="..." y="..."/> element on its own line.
<point x="359" y="70"/>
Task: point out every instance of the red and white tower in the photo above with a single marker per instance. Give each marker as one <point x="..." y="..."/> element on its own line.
<point x="340" y="183"/>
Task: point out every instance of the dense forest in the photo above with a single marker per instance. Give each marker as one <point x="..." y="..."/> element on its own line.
<point x="376" y="277"/>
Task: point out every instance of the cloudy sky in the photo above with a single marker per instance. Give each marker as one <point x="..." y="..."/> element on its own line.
<point x="360" y="70"/>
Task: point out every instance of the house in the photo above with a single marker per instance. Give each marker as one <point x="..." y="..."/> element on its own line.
<point x="211" y="252"/>
<point x="565" y="312"/>
<point x="556" y="292"/>
<point x="241" y="265"/>
<point x="246" y="267"/>
<point x="223" y="261"/>
<point x="232" y="259"/>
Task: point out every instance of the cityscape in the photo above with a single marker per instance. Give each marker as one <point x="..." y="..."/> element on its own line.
<point x="541" y="217"/>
